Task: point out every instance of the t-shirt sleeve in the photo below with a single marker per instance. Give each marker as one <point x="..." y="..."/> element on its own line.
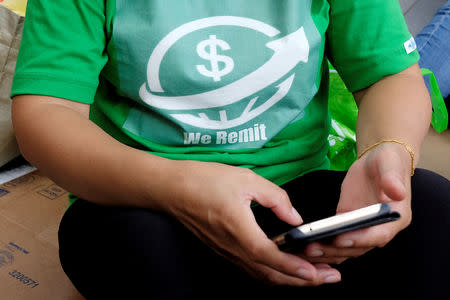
<point x="62" y="51"/>
<point x="368" y="40"/>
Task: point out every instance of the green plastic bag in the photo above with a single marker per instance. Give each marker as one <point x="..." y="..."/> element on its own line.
<point x="344" y="112"/>
<point x="439" y="118"/>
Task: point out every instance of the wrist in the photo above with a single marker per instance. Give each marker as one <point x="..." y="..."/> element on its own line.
<point x="157" y="180"/>
<point x="405" y="152"/>
<point x="170" y="183"/>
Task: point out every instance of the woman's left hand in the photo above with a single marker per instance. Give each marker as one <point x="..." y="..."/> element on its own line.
<point x="382" y="175"/>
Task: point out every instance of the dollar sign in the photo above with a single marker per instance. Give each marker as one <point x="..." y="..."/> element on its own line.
<point x="216" y="73"/>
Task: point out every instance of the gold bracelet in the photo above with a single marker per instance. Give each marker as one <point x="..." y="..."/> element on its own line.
<point x="410" y="151"/>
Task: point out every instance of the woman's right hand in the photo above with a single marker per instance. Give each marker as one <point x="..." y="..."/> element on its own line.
<point x="213" y="200"/>
<point x="215" y="206"/>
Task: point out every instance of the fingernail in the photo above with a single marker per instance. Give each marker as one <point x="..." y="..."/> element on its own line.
<point x="346" y="243"/>
<point x="296" y="214"/>
<point x="332" y="279"/>
<point x="304" y="274"/>
<point x="316" y="253"/>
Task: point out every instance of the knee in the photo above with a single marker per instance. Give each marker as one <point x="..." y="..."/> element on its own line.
<point x="430" y="186"/>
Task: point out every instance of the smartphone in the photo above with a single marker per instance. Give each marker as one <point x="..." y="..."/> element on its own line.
<point x="326" y="229"/>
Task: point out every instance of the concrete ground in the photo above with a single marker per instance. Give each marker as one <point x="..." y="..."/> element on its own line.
<point x="436" y="153"/>
<point x="419" y="12"/>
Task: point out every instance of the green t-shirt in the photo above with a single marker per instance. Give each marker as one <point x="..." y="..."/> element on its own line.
<point x="241" y="82"/>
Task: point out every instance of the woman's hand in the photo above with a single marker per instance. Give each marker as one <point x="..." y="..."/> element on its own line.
<point x="381" y="175"/>
<point x="215" y="206"/>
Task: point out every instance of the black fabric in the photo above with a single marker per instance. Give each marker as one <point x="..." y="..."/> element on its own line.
<point x="121" y="253"/>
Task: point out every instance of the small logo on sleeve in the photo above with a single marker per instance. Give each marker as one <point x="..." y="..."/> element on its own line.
<point x="410" y="45"/>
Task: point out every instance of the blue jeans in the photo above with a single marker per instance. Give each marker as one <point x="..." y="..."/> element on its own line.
<point x="433" y="43"/>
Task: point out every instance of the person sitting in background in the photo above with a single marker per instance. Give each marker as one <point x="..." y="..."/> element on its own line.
<point x="433" y="44"/>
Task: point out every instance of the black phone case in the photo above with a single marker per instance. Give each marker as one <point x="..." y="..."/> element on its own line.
<point x="295" y="240"/>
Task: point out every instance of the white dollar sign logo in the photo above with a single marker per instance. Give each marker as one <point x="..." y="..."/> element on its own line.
<point x="216" y="73"/>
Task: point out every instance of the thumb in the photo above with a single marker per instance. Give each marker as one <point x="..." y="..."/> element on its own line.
<point x="391" y="178"/>
<point x="278" y="201"/>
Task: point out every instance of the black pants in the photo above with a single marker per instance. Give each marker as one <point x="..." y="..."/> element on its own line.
<point x="129" y="253"/>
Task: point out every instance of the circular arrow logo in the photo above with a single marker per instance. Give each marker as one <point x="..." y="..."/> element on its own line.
<point x="288" y="52"/>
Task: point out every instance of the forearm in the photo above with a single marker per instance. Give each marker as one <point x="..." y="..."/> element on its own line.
<point x="86" y="161"/>
<point x="397" y="107"/>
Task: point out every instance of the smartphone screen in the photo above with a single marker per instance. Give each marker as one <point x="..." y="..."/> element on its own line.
<point x="341" y="219"/>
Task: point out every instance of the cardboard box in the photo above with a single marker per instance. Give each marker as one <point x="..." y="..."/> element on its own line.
<point x="31" y="208"/>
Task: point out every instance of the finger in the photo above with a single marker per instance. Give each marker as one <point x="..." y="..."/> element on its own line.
<point x="376" y="236"/>
<point x="391" y="178"/>
<point x="263" y="251"/>
<point x="258" y="248"/>
<point x="276" y="199"/>
<point x="316" y="250"/>
<point x="254" y="249"/>
<point x="328" y="260"/>
<point x="325" y="275"/>
<point x="392" y="187"/>
<point x="285" y="263"/>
